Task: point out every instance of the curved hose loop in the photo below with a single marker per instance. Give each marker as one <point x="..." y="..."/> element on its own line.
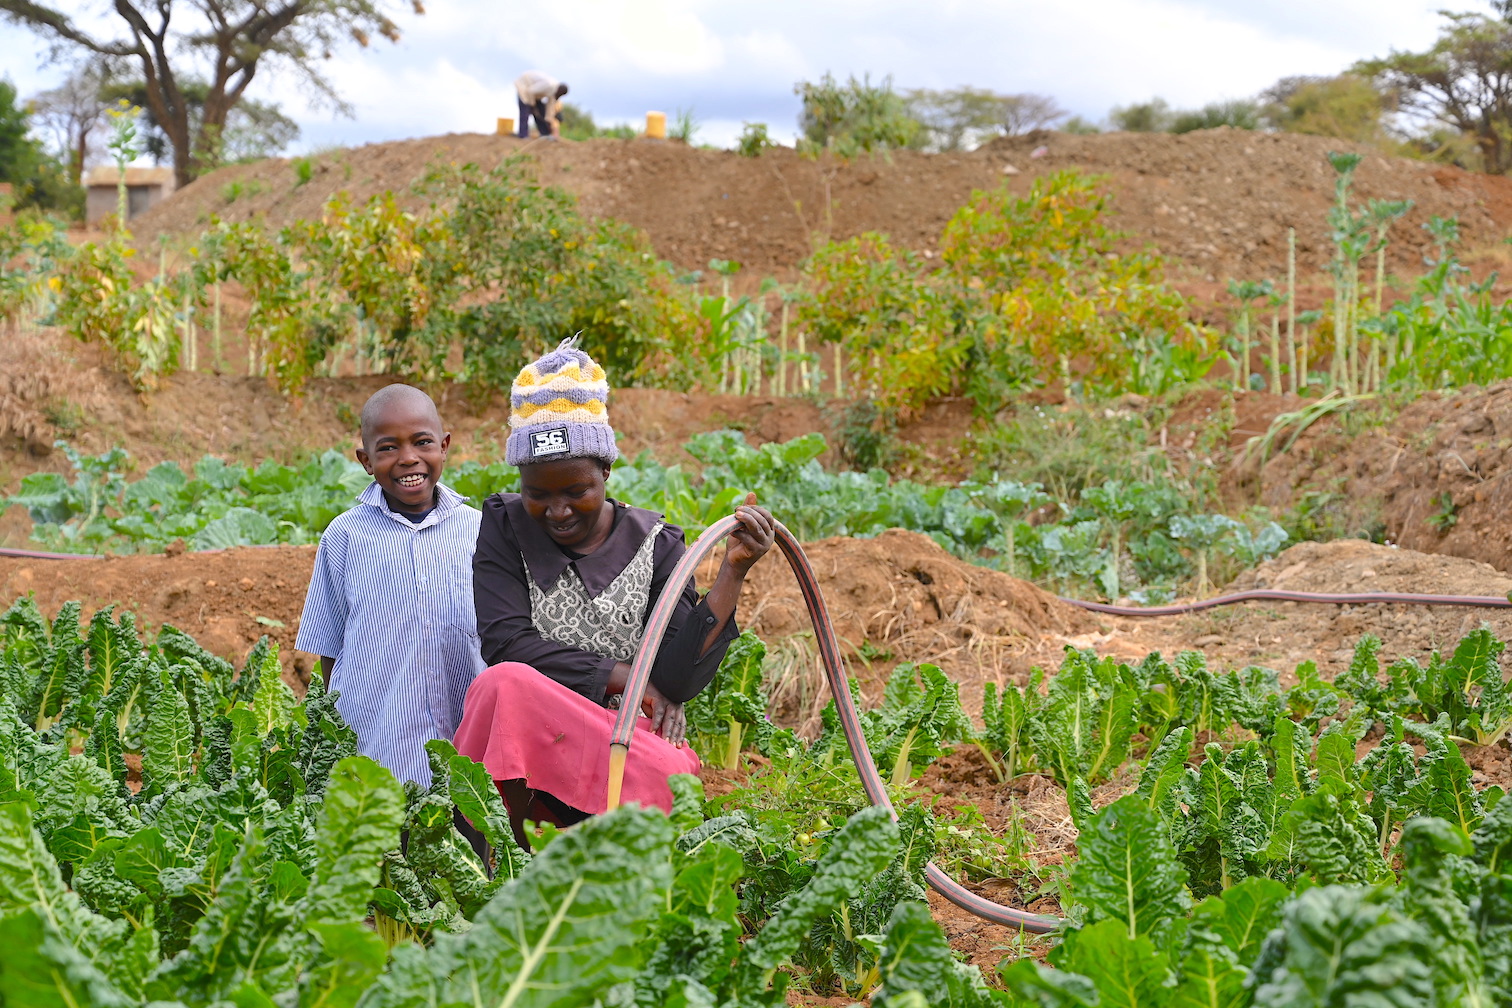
<point x="834" y="672"/>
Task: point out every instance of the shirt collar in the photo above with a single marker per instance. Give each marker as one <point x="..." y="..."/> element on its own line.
<point x="599" y="568"/>
<point x="447" y="501"/>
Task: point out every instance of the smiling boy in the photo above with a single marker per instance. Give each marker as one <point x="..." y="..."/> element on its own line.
<point x="390" y="605"/>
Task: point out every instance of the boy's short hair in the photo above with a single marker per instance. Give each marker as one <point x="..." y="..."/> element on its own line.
<point x="561" y="90"/>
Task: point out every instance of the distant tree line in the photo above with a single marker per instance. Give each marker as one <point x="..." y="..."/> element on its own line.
<point x="1451" y="102"/>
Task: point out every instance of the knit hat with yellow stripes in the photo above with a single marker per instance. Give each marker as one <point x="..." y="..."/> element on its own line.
<point x="559" y="410"/>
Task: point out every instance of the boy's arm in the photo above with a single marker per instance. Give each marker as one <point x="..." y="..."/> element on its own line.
<point x="322" y="624"/>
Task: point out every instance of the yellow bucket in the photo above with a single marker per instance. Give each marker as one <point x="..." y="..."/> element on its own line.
<point x="505" y="126"/>
<point x="656" y="125"/>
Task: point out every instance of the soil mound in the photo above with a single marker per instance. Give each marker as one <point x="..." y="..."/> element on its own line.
<point x="1435" y="475"/>
<point x="1281" y="635"/>
<point x="900" y="597"/>
<point x="1218" y="202"/>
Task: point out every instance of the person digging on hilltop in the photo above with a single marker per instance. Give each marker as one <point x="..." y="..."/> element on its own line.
<point x="540" y="98"/>
<point x="564" y="579"/>
<point x="389" y="610"/>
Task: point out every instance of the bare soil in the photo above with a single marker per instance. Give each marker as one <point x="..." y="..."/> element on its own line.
<point x="1218" y="203"/>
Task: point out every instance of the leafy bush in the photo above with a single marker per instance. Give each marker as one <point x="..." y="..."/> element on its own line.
<point x="852" y="118"/>
<point x="1025" y="287"/>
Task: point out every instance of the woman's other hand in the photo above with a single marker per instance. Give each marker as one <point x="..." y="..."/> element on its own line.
<point x="668" y="719"/>
<point x="752" y="538"/>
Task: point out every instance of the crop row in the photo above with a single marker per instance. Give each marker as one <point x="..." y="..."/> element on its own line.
<point x="178" y="830"/>
<point x="1119" y="537"/>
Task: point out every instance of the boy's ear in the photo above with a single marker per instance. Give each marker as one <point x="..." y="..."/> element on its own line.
<point x="362" y="456"/>
<point x="445" y="441"/>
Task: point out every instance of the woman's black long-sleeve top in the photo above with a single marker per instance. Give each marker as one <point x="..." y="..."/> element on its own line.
<point x="509" y="538"/>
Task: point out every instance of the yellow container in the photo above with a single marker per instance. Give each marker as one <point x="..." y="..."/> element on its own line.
<point x="656" y="125"/>
<point x="505" y="126"/>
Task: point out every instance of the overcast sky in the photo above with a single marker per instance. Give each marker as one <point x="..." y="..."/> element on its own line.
<point x="733" y="62"/>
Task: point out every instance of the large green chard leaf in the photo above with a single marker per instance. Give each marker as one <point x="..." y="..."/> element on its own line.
<point x="63" y="669"/>
<point x="1344" y="945"/>
<point x="1042" y="987"/>
<point x="351" y="957"/>
<point x="867" y="842"/>
<point x="1427" y="896"/>
<point x="106" y="657"/>
<point x="1493" y="839"/>
<point x="477" y="797"/>
<point x="1242" y="915"/>
<point x="168" y="741"/>
<point x="358" y="822"/>
<point x="571" y="926"/>
<point x="916" y="959"/>
<point x="29" y="880"/>
<point x="180" y="647"/>
<point x="1332" y="837"/>
<point x="40" y="969"/>
<point x="1292" y="746"/>
<point x="273" y="703"/>
<point x="25" y="637"/>
<point x="698" y="937"/>
<point x="1127" y="870"/>
<point x="1128" y="971"/>
<point x="1159" y="782"/>
<point x="1223" y="822"/>
<point x="1209" y="978"/>
<point x="243" y="938"/>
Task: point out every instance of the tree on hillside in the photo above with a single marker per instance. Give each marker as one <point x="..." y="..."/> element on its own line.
<point x="1347" y="106"/>
<point x="170" y="43"/>
<point x="963" y="117"/>
<point x="1464" y="81"/>
<point x="73" y="113"/>
<point x="1024" y="113"/>
<point x="1153" y="116"/>
<point x="1239" y="113"/>
<point x="848" y="119"/>
<point x="253" y="129"/>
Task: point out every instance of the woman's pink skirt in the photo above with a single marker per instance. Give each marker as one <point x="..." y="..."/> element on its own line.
<point x="521" y="724"/>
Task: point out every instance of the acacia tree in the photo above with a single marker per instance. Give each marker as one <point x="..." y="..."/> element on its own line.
<point x="222" y="42"/>
<point x="961" y="118"/>
<point x="1464" y="82"/>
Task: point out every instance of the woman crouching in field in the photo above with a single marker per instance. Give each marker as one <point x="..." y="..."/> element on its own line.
<point x="564" y="578"/>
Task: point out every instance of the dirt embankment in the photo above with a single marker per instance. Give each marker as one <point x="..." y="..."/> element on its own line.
<point x="1218" y="203"/>
<point x="1433" y="478"/>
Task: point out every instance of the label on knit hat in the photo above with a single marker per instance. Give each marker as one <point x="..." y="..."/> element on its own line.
<point x="552" y="441"/>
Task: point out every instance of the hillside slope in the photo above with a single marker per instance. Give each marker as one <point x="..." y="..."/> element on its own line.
<point x="1217" y="202"/>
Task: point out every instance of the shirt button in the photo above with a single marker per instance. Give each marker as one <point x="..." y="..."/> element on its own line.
<point x="709" y="620"/>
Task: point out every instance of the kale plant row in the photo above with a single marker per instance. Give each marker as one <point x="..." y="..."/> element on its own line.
<point x="1116" y="538"/>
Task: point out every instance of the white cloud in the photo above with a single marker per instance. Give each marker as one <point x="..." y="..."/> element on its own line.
<point x="738" y="62"/>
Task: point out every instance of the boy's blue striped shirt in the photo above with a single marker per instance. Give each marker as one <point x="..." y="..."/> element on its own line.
<point x="392" y="603"/>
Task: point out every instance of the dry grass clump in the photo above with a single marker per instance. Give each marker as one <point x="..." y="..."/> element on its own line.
<point x="45" y="392"/>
